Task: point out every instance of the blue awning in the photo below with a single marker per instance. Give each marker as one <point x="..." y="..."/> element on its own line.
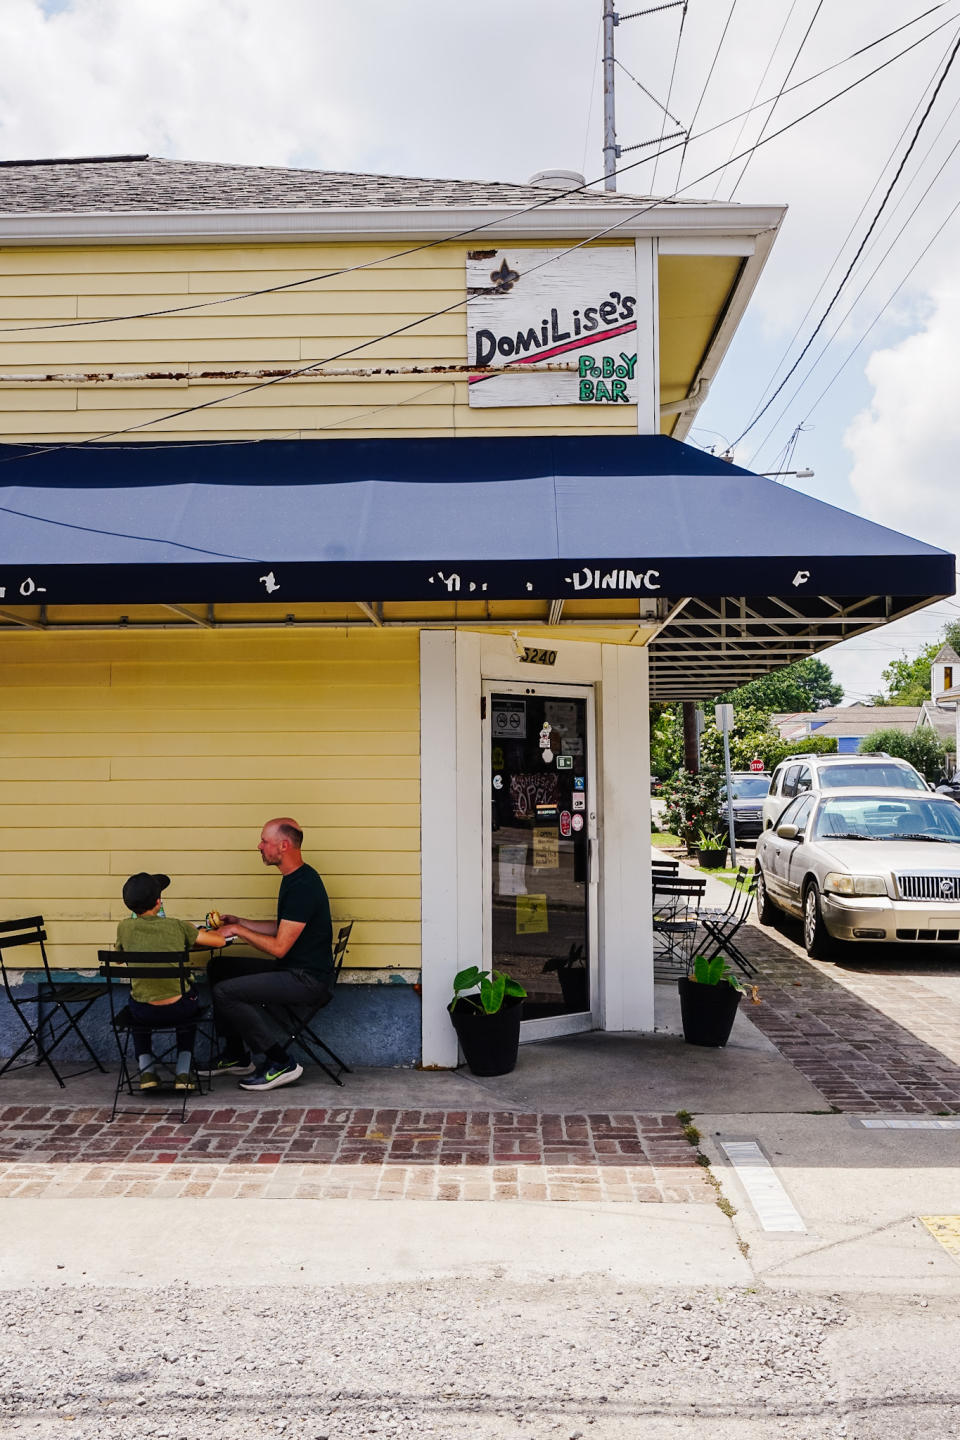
<point x="495" y="518"/>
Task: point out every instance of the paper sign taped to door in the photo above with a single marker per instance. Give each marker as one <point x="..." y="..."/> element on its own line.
<point x="546" y="849"/>
<point x="512" y="867"/>
<point x="531" y="914"/>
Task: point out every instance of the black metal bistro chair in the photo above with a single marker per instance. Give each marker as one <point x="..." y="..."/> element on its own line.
<point x="676" y="907"/>
<point x="118" y="969"/>
<point x="300" y="1018"/>
<point x="721" y="912"/>
<point x="60" y="1004"/>
<point x="722" y="929"/>
<point x="665" y="867"/>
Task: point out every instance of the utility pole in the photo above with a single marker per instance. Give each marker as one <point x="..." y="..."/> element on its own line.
<point x="609" y="119"/>
<point x="611" y="150"/>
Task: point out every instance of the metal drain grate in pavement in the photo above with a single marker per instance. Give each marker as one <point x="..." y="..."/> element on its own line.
<point x="901" y="1123"/>
<point x="774" y="1208"/>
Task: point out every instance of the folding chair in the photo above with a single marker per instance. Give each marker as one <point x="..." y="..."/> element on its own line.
<point x="59" y="995"/>
<point x="718" y="912"/>
<point x="665" y="867"/>
<point x="676" y="906"/>
<point x="118" y="968"/>
<point x="723" y="929"/>
<point x="300" y="1017"/>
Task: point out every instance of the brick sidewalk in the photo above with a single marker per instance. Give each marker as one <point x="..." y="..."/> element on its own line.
<point x="347" y="1153"/>
<point x="894" y="1055"/>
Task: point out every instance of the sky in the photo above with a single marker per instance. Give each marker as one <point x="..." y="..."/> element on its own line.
<point x="501" y="90"/>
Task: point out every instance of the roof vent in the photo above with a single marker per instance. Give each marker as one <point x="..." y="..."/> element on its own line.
<point x="557" y="179"/>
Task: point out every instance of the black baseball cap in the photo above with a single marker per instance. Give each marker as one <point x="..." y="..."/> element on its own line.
<point x="142" y="891"/>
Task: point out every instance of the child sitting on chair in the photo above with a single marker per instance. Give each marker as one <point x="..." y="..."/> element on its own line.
<point x="148" y="929"/>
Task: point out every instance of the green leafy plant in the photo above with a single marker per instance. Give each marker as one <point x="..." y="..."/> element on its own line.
<point x="921" y="748"/>
<point x="707" y="841"/>
<point x="715" y="971"/>
<point x="491" y="987"/>
<point x="692" y="804"/>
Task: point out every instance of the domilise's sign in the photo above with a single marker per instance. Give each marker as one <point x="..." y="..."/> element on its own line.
<point x="575" y="313"/>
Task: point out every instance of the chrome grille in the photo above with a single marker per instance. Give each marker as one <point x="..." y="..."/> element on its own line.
<point x="747" y="812"/>
<point x="939" y="886"/>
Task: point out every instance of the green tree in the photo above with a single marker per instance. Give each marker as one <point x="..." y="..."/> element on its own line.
<point x="924" y="750"/>
<point x="804" y="685"/>
<point x="666" y="740"/>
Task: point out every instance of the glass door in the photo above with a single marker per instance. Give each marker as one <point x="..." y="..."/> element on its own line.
<point x="541" y="849"/>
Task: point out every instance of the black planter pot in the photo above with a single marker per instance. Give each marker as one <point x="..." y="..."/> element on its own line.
<point x="573" y="987"/>
<point x="712" y="859"/>
<point x="707" y="1011"/>
<point x="489" y="1042"/>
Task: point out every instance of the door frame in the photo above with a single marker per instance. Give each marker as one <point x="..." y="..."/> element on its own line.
<point x="453" y="665"/>
<point x="549" y="1026"/>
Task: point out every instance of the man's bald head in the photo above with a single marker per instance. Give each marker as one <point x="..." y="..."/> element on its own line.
<point x="287" y="829"/>
<point x="280" y="844"/>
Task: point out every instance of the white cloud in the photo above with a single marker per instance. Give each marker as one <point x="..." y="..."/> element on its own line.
<point x="905" y="447"/>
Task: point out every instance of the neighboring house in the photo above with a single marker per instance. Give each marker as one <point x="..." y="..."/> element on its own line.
<point x="940" y="711"/>
<point x="294" y="524"/>
<point x="848" y="724"/>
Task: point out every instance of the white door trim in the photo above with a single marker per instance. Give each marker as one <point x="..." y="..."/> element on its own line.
<point x="549" y="1026"/>
<point x="453" y="666"/>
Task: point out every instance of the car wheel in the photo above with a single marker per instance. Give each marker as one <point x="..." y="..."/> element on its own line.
<point x="816" y="940"/>
<point x="765" y="911"/>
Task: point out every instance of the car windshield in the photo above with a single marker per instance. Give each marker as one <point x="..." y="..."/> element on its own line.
<point x="751" y="787"/>
<point x="874" y="817"/>
<point x="845" y="777"/>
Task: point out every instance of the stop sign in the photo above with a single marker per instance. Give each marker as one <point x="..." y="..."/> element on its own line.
<point x="756" y="765"/>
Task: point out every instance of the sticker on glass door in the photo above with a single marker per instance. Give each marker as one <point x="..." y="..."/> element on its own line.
<point x="540" y="919"/>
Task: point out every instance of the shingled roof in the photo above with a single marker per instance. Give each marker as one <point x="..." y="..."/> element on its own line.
<point x="147" y="183"/>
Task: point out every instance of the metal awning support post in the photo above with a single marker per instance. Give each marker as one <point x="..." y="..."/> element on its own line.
<point x="724" y="718"/>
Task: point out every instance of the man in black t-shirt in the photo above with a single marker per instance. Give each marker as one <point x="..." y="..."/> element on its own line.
<point x="295" y="967"/>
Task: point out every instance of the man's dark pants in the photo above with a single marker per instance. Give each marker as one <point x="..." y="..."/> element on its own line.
<point x="245" y="988"/>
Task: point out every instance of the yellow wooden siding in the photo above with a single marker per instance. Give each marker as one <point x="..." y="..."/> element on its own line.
<point x="166" y="753"/>
<point x="317" y="321"/>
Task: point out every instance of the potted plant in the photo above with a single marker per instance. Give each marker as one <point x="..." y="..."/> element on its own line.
<point x="709" y="999"/>
<point x="486" y="1011"/>
<point x="571" y="971"/>
<point x="711" y="851"/>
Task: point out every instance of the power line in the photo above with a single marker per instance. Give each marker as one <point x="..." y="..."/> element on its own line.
<point x="666" y="108"/>
<point x="840" y="249"/>
<point x="421" y="320"/>
<point x="776" y="47"/>
<point x="769" y="117"/>
<point x="551" y="199"/>
<point x="860" y="248"/>
<point x="887" y="303"/>
<point x="863" y="289"/>
<point x="593" y="91"/>
<point x="706" y="83"/>
<point x="650" y="96"/>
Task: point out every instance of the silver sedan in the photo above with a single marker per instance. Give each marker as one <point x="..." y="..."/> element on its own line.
<point x="869" y="865"/>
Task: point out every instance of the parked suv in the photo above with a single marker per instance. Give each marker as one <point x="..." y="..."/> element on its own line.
<point x="817" y="773"/>
<point x="749" y="789"/>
